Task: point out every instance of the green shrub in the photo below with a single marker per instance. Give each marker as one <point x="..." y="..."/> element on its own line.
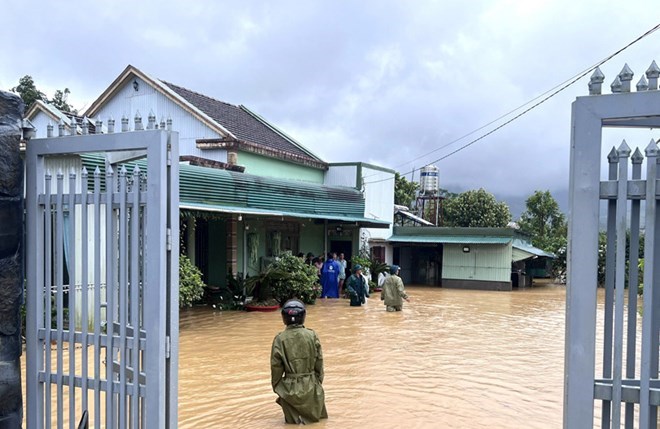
<point x="289" y="277"/>
<point x="191" y="286"/>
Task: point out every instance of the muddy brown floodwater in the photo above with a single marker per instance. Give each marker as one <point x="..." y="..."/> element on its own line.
<point x="451" y="359"/>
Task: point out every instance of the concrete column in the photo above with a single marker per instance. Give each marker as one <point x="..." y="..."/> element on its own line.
<point x="232" y="245"/>
<point x="11" y="260"/>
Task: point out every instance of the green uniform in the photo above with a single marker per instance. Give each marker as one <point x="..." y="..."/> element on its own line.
<point x="358" y="289"/>
<point x="296" y="368"/>
<point x="393" y="293"/>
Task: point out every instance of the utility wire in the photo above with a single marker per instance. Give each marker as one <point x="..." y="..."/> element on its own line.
<point x="561" y="87"/>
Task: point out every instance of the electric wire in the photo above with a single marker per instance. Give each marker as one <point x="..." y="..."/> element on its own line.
<point x="553" y="92"/>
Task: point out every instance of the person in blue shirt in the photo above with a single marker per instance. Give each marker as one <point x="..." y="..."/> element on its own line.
<point x="330" y="278"/>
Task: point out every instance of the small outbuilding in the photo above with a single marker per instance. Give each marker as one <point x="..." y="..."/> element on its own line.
<point x="465" y="258"/>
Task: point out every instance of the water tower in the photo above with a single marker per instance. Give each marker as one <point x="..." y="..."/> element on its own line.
<point x="429" y="201"/>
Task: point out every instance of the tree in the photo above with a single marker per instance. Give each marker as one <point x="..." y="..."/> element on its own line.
<point x="544" y="221"/>
<point x="59" y="101"/>
<point x="28" y="91"/>
<point x="404" y="191"/>
<point x="476" y="208"/>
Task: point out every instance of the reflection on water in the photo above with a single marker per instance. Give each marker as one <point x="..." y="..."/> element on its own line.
<point x="451" y="359"/>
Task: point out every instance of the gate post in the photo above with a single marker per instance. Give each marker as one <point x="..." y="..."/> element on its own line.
<point x="11" y="260"/>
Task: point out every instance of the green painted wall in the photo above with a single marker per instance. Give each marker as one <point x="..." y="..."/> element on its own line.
<point x="490" y="262"/>
<point x="311" y="238"/>
<point x="264" y="166"/>
<point x="217" y="252"/>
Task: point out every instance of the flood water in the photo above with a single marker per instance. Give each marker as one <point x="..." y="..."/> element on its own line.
<point x="451" y="359"/>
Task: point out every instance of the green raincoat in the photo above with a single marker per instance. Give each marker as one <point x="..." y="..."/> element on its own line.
<point x="296" y="368"/>
<point x="393" y="292"/>
<point x="358" y="289"/>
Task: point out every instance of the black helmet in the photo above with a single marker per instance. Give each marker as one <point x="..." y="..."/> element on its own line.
<point x="293" y="312"/>
<point x="394" y="269"/>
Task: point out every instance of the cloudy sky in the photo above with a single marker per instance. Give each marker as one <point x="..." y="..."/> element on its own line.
<point x="392" y="83"/>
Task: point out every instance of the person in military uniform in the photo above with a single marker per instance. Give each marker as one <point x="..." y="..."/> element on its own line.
<point x="296" y="368"/>
<point x="393" y="292"/>
<point x="357" y="287"/>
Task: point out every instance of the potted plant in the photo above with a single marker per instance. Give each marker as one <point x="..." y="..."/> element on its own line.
<point x="260" y="289"/>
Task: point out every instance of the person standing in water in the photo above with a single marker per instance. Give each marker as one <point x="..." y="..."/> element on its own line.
<point x="357" y="287"/>
<point x="393" y="292"/>
<point x="330" y="277"/>
<point x="342" y="273"/>
<point x="296" y="368"/>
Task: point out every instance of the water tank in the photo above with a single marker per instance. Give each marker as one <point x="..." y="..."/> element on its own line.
<point x="429" y="182"/>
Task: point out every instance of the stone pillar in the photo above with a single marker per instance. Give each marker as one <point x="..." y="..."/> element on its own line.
<point x="11" y="260"/>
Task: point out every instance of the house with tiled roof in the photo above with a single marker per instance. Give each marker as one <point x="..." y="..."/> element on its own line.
<point x="248" y="190"/>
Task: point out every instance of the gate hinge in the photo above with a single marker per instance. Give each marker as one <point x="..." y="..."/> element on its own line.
<point x="168" y="347"/>
<point x="169" y="239"/>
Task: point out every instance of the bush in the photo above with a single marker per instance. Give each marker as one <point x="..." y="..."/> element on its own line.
<point x="289" y="277"/>
<point x="191" y="286"/>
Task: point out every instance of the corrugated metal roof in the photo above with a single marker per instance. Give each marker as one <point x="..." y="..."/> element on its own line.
<point x="210" y="189"/>
<point x="528" y="248"/>
<point x="457" y="239"/>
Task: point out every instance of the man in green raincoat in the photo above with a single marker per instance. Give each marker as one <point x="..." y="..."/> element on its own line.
<point x="357" y="287"/>
<point x="393" y="292"/>
<point x="296" y="368"/>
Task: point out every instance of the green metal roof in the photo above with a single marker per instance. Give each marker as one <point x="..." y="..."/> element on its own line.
<point x="448" y="239"/>
<point x="210" y="189"/>
<point x="531" y="250"/>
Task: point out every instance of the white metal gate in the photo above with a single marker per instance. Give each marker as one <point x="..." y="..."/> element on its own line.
<point x="627" y="386"/>
<point x="102" y="282"/>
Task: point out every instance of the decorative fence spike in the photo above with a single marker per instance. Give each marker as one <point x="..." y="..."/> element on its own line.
<point x="652" y="75"/>
<point x="98" y="125"/>
<point x="85" y="126"/>
<point x="138" y="121"/>
<point x="124" y="124"/>
<point x="162" y="122"/>
<point x="616" y="85"/>
<point x="60" y="128"/>
<point x="643" y="84"/>
<point x="49" y="129"/>
<point x="625" y="76"/>
<point x="151" y="120"/>
<point x="111" y="125"/>
<point x="169" y="123"/>
<point x="637" y="156"/>
<point x="651" y="149"/>
<point x="596" y="81"/>
<point x="73" y="129"/>
<point x="624" y="150"/>
<point x="612" y="156"/>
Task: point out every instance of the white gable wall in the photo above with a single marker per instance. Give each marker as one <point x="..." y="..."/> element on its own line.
<point x="127" y="102"/>
<point x="379" y="199"/>
<point x="41" y="121"/>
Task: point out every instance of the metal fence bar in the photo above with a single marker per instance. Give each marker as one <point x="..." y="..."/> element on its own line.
<point x="123" y="292"/>
<point x="84" y="258"/>
<point x="135" y="265"/>
<point x="645" y="414"/>
<point x="633" y="286"/>
<point x="47" y="296"/>
<point x="655" y="242"/>
<point x="59" y="282"/>
<point x="110" y="262"/>
<point x="610" y="258"/>
<point x="620" y="280"/>
<point x="71" y="263"/>
<point x="97" y="297"/>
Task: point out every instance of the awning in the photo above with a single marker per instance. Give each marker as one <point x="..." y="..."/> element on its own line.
<point x="448" y="239"/>
<point x="524" y="250"/>
<point x="413" y="217"/>
<point x="359" y="221"/>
